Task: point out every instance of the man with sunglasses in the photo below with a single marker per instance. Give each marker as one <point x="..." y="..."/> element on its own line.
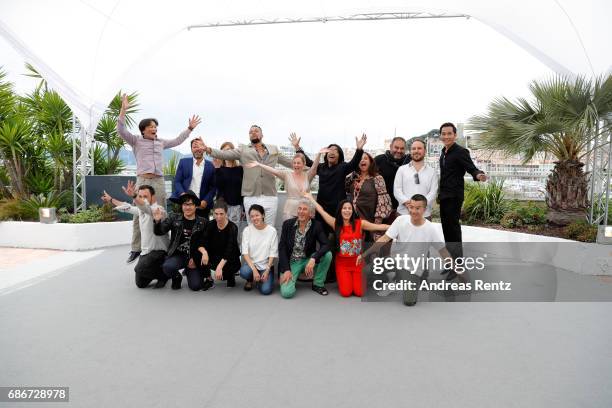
<point x="416" y="177"/>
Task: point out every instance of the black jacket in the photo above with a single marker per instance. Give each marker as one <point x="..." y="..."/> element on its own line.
<point x="387" y="167"/>
<point x="331" y="180"/>
<point x="174" y="224"/>
<point x="453" y="166"/>
<point x="287" y="240"/>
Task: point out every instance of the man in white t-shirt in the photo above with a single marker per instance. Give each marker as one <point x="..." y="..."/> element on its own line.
<point x="420" y="233"/>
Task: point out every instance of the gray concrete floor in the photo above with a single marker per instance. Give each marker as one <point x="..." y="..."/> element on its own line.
<point x="89" y="328"/>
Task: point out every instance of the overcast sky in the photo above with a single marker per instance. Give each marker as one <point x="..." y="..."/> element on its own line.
<point x="327" y="82"/>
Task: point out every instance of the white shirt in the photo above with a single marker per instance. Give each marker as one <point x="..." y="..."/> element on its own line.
<point x="148" y="241"/>
<point x="420" y="239"/>
<point x="259" y="245"/>
<point x="196" y="177"/>
<point x="405" y="186"/>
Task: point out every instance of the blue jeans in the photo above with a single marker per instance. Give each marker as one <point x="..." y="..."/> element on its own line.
<point x="265" y="287"/>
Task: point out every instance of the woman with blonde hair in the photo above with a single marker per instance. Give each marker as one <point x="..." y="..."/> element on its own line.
<point x="297" y="182"/>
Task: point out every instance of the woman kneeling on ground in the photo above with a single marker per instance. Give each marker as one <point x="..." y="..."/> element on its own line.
<point x="348" y="234"/>
<point x="259" y="248"/>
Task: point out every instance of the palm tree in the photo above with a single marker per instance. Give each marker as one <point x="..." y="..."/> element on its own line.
<point x="563" y="118"/>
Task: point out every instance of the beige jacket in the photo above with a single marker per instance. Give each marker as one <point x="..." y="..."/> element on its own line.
<point x="255" y="181"/>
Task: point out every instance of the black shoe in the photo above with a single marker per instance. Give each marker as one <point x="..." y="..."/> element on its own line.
<point x="231" y="284"/>
<point x="320" y="290"/>
<point x="133" y="256"/>
<point x="208" y="284"/>
<point x="161" y="283"/>
<point x="176" y="282"/>
<point x="248" y="286"/>
<point x="410" y="303"/>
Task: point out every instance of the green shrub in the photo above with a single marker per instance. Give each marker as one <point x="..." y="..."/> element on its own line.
<point x="531" y="213"/>
<point x="511" y="219"/>
<point x="581" y="231"/>
<point x="92" y="214"/>
<point x="524" y="214"/>
<point x="485" y="202"/>
<point x="12" y="210"/>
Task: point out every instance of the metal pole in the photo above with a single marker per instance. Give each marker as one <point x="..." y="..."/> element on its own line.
<point x="594" y="175"/>
<point x="84" y="154"/>
<point x="608" y="136"/>
<point x="74" y="166"/>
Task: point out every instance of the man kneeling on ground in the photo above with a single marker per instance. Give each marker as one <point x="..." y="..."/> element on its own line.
<point x="182" y="227"/>
<point x="149" y="266"/>
<point x="298" y="252"/>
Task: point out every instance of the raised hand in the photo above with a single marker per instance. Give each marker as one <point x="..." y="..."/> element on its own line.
<point x="106" y="198"/>
<point x="129" y="189"/>
<point x="157" y="214"/>
<point x="194" y="121"/>
<point x="308" y="195"/>
<point x="125" y="103"/>
<point x="324" y="150"/>
<point x="294" y="140"/>
<point x="360" y="142"/>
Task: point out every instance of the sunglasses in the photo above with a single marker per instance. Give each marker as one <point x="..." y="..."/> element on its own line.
<point x="416" y="178"/>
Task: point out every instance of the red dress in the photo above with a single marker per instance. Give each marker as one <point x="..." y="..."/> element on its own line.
<point x="348" y="273"/>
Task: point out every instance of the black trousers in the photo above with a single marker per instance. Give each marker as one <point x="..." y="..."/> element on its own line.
<point x="173" y="264"/>
<point x="149" y="267"/>
<point x="450" y="213"/>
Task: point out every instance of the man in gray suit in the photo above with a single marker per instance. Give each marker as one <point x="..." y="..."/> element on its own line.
<point x="258" y="186"/>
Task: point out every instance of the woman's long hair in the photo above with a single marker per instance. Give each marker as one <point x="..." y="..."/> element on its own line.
<point x="340" y="221"/>
<point x="231" y="146"/>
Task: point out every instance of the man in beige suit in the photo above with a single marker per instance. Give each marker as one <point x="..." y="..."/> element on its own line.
<point x="258" y="186"/>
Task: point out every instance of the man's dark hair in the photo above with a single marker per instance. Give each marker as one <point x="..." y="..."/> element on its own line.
<point x="448" y="124"/>
<point x="220" y="204"/>
<point x="340" y="154"/>
<point x="146" y="122"/>
<point x="258" y="208"/>
<point x="419" y="197"/>
<point x="197" y="138"/>
<point x="422" y="141"/>
<point x="396" y="138"/>
<point x="147" y="187"/>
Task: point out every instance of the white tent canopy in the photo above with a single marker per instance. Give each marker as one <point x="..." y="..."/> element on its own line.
<point x="84" y="48"/>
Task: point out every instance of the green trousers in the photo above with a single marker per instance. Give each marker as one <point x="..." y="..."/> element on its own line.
<point x="287" y="289"/>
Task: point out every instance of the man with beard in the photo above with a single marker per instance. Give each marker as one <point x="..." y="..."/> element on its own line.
<point x="416" y="177"/>
<point x="196" y="174"/>
<point x="389" y="162"/>
<point x="258" y="186"/>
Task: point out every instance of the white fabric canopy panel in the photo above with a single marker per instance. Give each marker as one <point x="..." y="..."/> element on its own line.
<point x="84" y="48"/>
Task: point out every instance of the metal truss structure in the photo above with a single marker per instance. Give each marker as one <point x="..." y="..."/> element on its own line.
<point x="82" y="164"/>
<point x="598" y="165"/>
<point x="326" y="19"/>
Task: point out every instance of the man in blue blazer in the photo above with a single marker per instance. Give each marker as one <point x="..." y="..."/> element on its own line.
<point x="196" y="174"/>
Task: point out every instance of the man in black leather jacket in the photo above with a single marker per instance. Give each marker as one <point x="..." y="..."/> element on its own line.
<point x="182" y="227"/>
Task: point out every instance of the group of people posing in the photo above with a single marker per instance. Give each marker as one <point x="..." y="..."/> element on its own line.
<point x="387" y="197"/>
